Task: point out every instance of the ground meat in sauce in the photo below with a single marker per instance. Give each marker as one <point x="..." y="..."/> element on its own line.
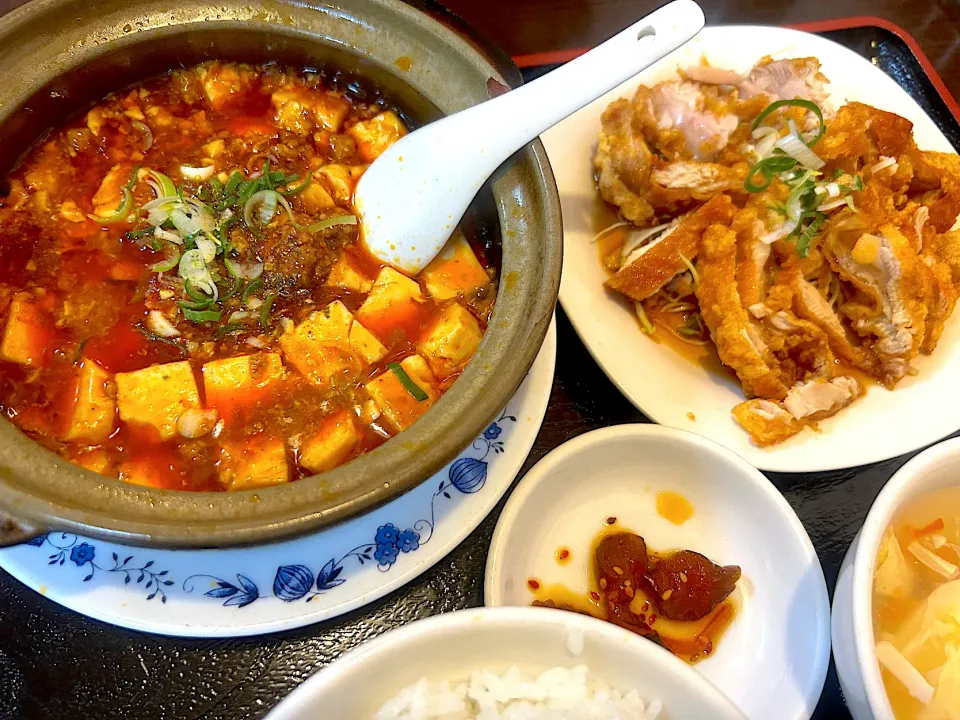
<point x="82" y="313"/>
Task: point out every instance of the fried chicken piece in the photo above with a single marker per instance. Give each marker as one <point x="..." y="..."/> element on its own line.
<point x="810" y="305"/>
<point x="821" y="397"/>
<point x="661" y="260"/>
<point x="770" y="422"/>
<point x="890" y="311"/>
<point x="943" y="299"/>
<point x="776" y="79"/>
<point x="689" y="123"/>
<point x="623" y="163"/>
<point x="767" y="421"/>
<point x="683" y="124"/>
<point x="860" y="134"/>
<point x="681" y="184"/>
<point x="738" y="342"/>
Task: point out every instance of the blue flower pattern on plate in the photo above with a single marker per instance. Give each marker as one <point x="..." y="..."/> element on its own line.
<point x="294" y="582"/>
<point x="83" y="554"/>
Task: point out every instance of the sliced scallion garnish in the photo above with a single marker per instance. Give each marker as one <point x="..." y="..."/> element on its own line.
<point x="200" y="316"/>
<point x="408" y="384"/>
<point x="250" y="289"/>
<point x="795" y="102"/>
<point x="265" y="309"/>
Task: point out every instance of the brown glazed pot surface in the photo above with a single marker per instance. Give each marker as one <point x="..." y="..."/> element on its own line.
<point x="59" y="55"/>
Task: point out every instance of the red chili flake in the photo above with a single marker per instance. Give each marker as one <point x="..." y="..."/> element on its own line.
<point x="594" y="595"/>
<point x="533" y="584"/>
<point x="611" y="520"/>
<point x="563" y="553"/>
<point x="652" y="620"/>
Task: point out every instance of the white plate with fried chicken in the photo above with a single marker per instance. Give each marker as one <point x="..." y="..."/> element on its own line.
<point x="758" y="248"/>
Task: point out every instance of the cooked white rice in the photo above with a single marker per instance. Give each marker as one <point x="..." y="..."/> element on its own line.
<point x="557" y="694"/>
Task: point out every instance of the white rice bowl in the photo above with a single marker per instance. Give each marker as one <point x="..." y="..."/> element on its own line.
<point x="556" y="694"/>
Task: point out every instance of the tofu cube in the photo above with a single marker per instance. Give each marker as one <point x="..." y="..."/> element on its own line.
<point x="96" y="460"/>
<point x="95" y="409"/>
<point x="375" y="135"/>
<point x="221" y="82"/>
<point x="330" y="347"/>
<point x="300" y="110"/>
<point x="399" y="408"/>
<point x="332" y="444"/>
<point x="394" y="302"/>
<point x="214" y="147"/>
<point x="452" y="340"/>
<point x="340" y="180"/>
<point x="346" y="273"/>
<point x="142" y="471"/>
<point x="455" y="272"/>
<point x="314" y="197"/>
<point x="27" y="333"/>
<point x="256" y="462"/>
<point x="240" y="379"/>
<point x="157" y="395"/>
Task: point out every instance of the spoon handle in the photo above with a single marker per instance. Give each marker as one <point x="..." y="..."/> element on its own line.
<point x="542" y="103"/>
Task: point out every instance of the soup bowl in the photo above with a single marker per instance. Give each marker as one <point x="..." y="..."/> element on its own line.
<point x="60" y="55"/>
<point x="853" y="639"/>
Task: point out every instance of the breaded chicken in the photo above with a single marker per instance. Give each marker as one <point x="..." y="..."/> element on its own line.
<point x="731" y="327"/>
<point x="663" y="258"/>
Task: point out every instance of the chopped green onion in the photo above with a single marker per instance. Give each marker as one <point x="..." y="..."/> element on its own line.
<point x="331" y="222"/>
<point x="795" y="102"/>
<point x="194" y="293"/>
<point x="237" y="282"/>
<point x="158" y="338"/>
<point x="299" y="188"/>
<point x="408" y="384"/>
<point x="767" y="168"/>
<point x="265" y="309"/>
<point x="228" y="329"/>
<point x="232" y="183"/>
<point x="250" y="290"/>
<point x="121" y="213"/>
<point x="806" y="237"/>
<point x="165" y="188"/>
<point x="147" y="133"/>
<point x="171" y="258"/>
<point x="200" y="316"/>
<point x="200" y="305"/>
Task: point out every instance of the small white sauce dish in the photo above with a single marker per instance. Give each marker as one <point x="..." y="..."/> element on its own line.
<point x="452" y="646"/>
<point x="853" y="640"/>
<point x="772" y="660"/>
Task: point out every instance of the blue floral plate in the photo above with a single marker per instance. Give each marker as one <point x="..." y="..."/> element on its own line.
<point x="249" y="591"/>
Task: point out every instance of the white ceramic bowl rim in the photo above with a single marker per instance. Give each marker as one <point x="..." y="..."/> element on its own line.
<point x="890" y="499"/>
<point x="752" y="481"/>
<point x="540" y="474"/>
<point x="447" y="624"/>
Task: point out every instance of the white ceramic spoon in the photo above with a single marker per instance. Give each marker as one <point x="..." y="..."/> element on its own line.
<point x="412" y="197"/>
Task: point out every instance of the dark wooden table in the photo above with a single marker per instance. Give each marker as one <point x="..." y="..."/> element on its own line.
<point x="56" y="664"/>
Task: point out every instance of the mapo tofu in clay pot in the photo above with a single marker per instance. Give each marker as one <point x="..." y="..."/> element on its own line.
<point x="185" y="302"/>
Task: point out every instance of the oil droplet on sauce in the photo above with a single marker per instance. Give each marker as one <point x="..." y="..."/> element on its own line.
<point x="673" y="507"/>
<point x="563" y="555"/>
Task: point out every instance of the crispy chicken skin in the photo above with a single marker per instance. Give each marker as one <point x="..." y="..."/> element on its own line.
<point x="729" y="323"/>
<point x="892" y="291"/>
<point x="658" y="265"/>
<point x="623" y="163"/>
